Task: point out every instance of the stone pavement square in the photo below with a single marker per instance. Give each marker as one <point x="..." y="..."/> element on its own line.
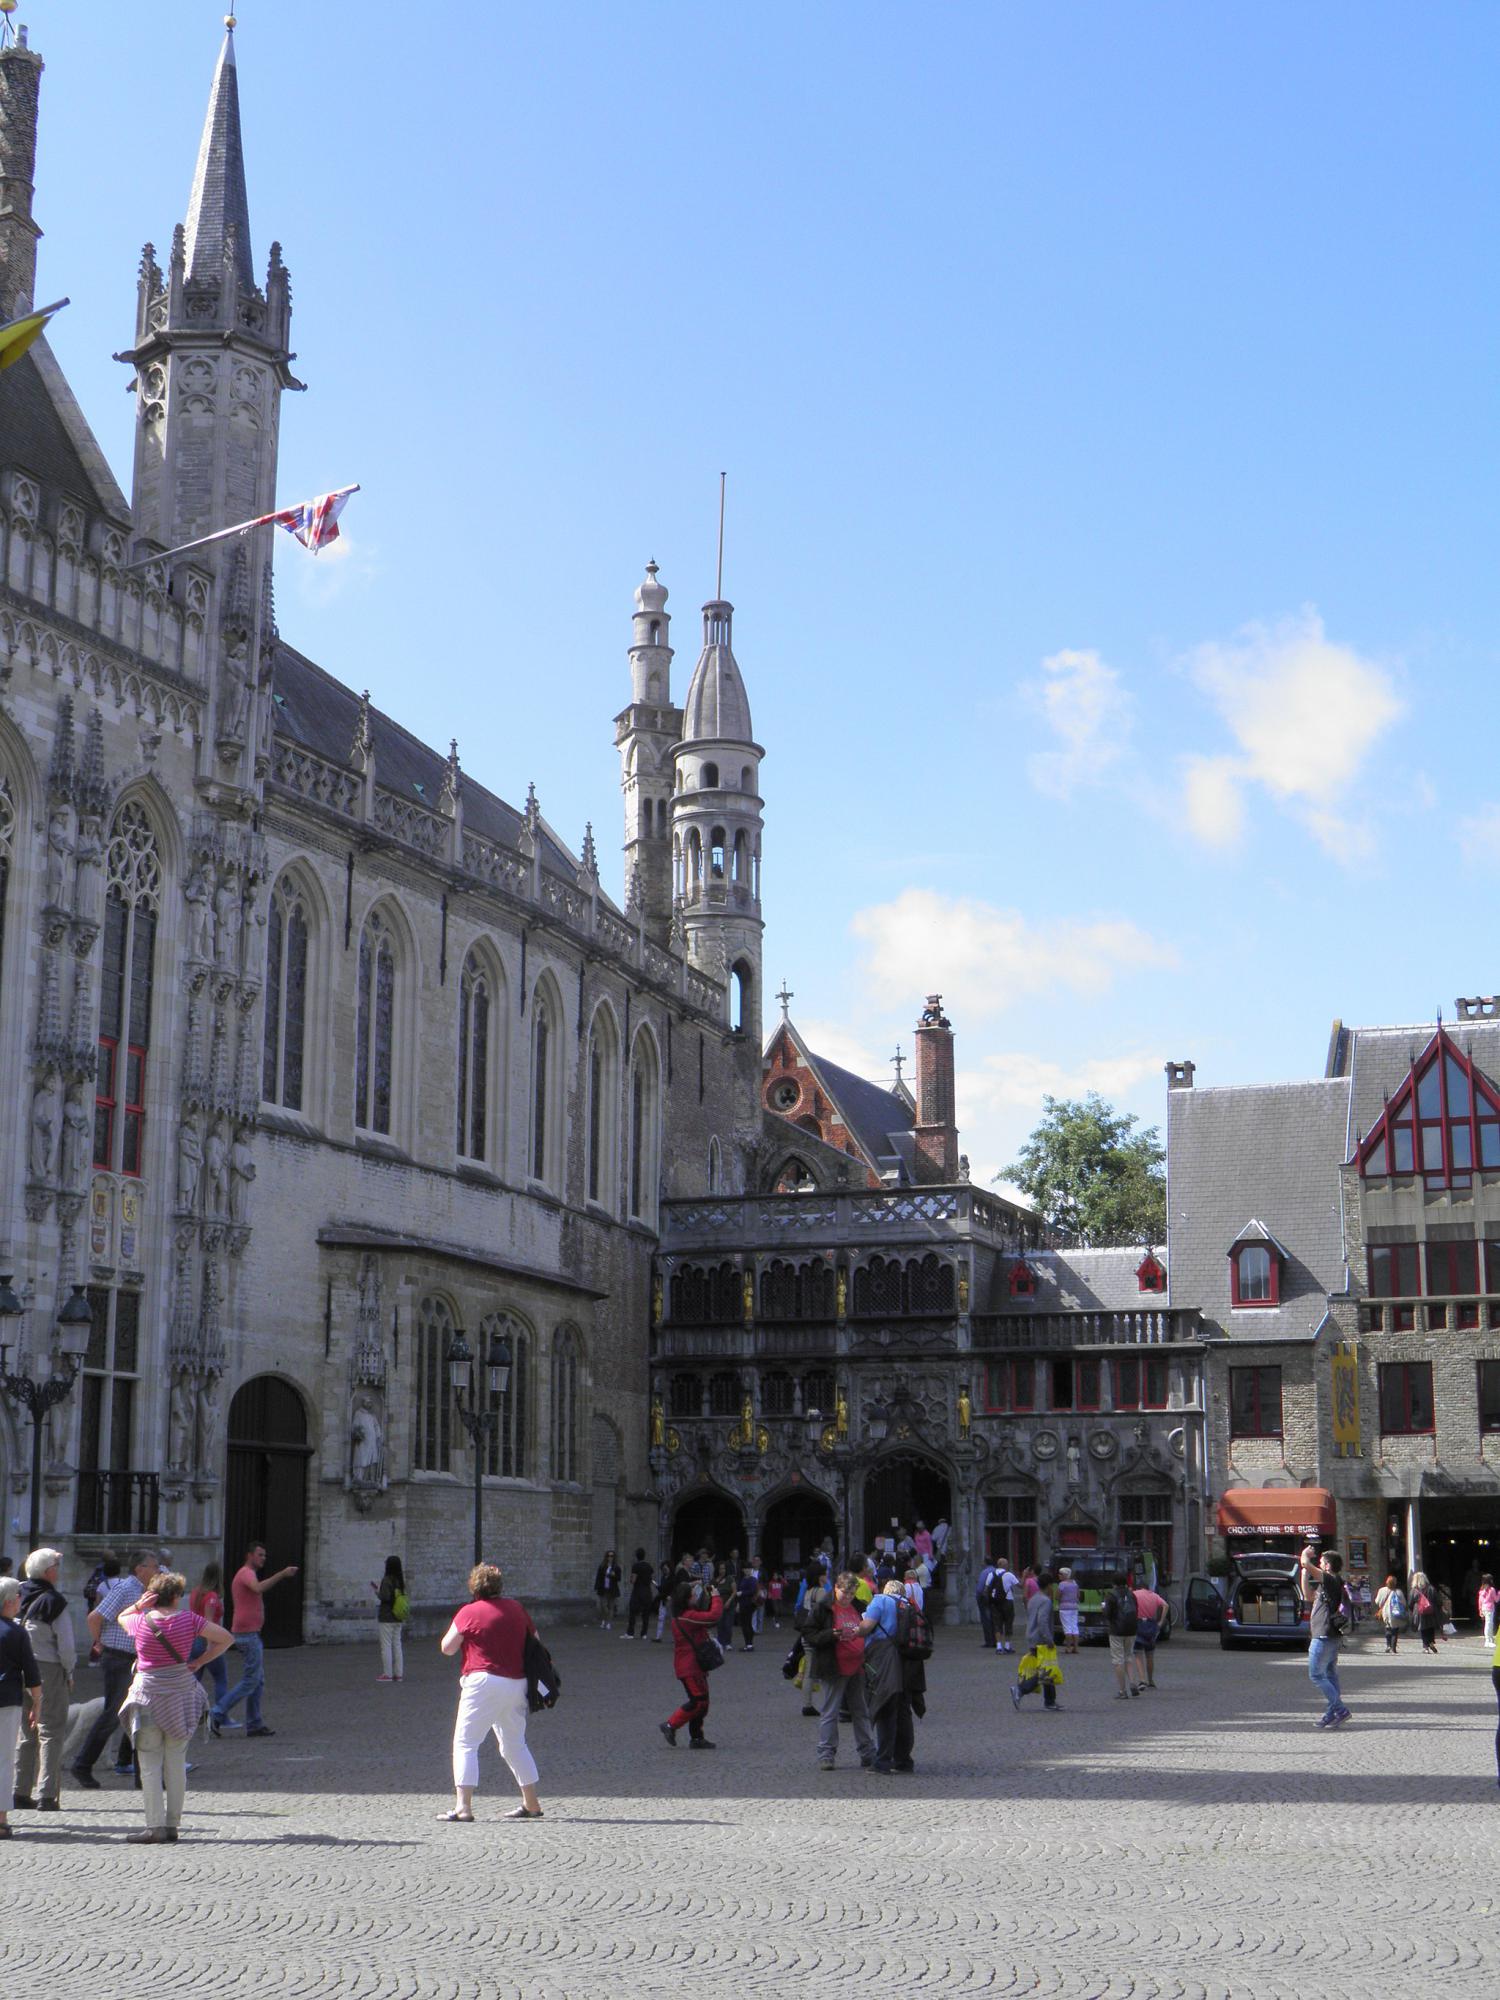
<point x="1204" y="1840"/>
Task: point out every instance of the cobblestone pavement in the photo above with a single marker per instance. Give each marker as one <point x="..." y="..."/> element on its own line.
<point x="1202" y="1840"/>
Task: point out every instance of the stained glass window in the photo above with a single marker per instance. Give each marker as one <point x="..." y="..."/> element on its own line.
<point x="375" y="1023"/>
<point x="286" y="997"/>
<point x="133" y="875"/>
<point x="473" y="1060"/>
<point x="432" y="1429"/>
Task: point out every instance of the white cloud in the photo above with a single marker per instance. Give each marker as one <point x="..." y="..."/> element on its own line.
<point x="1087" y="709"/>
<point x="981" y="958"/>
<point x="1479" y="837"/>
<point x="1305" y="713"/>
<point x="1000" y="1102"/>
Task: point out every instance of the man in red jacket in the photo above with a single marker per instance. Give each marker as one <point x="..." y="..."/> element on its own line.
<point x="696" y="1610"/>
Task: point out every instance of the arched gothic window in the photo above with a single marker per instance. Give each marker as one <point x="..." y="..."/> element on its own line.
<point x="474" y="1059"/>
<point x="739" y="870"/>
<point x="603" y="1109"/>
<point x="132" y="867"/>
<point x="375" y="1025"/>
<point x="508" y="1441"/>
<point x="287" y="929"/>
<point x="565" y="1399"/>
<point x="715" y="1166"/>
<point x="694" y="875"/>
<point x="544" y="1145"/>
<point x="7" y="843"/>
<point x="716" y="844"/>
<point x="644" y="1118"/>
<point x="432" y="1417"/>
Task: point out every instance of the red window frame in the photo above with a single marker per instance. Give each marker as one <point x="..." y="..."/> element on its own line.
<point x="1022" y="1280"/>
<point x="1445" y="1279"/>
<point x="1396" y="1379"/>
<point x="1125" y="1381"/>
<point x="1410" y="1139"/>
<point x="1010" y="1385"/>
<point x="1273" y="1287"/>
<point x="1262" y="1391"/>
<point x="1156" y="1382"/>
<point x="104" y="1102"/>
<point x="1088" y="1382"/>
<point x="1150" y="1275"/>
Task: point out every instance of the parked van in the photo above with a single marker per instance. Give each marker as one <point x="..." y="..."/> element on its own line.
<point x="1264" y="1606"/>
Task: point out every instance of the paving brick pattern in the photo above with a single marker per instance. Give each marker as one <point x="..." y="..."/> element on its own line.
<point x="1204" y="1840"/>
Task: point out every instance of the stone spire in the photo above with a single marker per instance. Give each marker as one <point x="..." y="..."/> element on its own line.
<point x="218" y="217"/>
<point x="20" y="88"/>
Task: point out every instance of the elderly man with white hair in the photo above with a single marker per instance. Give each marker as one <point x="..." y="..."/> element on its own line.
<point x="20" y="1687"/>
<point x="49" y="1626"/>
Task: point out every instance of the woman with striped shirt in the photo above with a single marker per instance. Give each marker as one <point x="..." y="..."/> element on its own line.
<point x="165" y="1703"/>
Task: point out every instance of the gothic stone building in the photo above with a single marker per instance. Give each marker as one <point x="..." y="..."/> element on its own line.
<point x="872" y="1338"/>
<point x="313" y="1050"/>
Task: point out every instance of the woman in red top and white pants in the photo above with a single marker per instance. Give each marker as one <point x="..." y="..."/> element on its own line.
<point x="492" y="1631"/>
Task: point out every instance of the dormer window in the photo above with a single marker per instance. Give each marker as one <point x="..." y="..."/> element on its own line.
<point x="1442" y="1123"/>
<point x="1150" y="1276"/>
<point x="1022" y="1280"/>
<point x="1255" y="1266"/>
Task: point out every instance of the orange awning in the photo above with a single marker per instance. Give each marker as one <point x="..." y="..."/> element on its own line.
<point x="1279" y="1510"/>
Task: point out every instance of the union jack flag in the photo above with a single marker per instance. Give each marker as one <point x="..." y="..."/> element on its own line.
<point x="316" y="522"/>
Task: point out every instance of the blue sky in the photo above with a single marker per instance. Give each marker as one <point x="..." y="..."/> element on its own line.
<point x="1108" y="401"/>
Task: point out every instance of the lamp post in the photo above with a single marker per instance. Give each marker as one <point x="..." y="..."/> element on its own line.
<point x="74" y="1325"/>
<point x="479" y="1423"/>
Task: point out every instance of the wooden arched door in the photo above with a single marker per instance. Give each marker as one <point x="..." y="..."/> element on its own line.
<point x="266" y="1497"/>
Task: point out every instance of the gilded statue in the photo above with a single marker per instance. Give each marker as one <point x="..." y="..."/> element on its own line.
<point x="965" y="1411"/>
<point x="658" y="1423"/>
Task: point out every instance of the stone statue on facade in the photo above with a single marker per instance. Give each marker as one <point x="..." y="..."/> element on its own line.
<point x="189" y="1164"/>
<point x="58" y="849"/>
<point x="366" y="1446"/>
<point x="77" y="1140"/>
<point x="215" y="1158"/>
<point x="200" y="915"/>
<point x="208" y="1422"/>
<point x="43" y="1127"/>
<point x="227" y="921"/>
<point x="241" y="1173"/>
<point x="965" y="1411"/>
<point x="180" y="1423"/>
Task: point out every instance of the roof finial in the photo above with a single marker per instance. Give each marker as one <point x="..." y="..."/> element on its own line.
<point x="898" y="1063"/>
<point x="719" y="585"/>
<point x="786" y="996"/>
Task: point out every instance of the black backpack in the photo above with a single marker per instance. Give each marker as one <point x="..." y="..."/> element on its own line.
<point x="1123" y="1614"/>
<point x="913" y="1633"/>
<point x="998" y="1594"/>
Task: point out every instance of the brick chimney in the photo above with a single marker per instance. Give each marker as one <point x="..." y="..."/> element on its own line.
<point x="936" y="1133"/>
<point x="1180" y="1075"/>
<point x="20" y="88"/>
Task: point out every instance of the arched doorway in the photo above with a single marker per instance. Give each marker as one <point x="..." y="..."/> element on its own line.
<point x="795" y="1525"/>
<point x="266" y="1496"/>
<point x="905" y="1488"/>
<point x="708" y="1520"/>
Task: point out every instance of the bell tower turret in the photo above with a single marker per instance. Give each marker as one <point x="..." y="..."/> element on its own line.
<point x="645" y="735"/>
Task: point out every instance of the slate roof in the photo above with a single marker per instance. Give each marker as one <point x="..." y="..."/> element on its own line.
<point x="1092" y="1280"/>
<point x="40" y="434"/>
<point x="716" y="706"/>
<point x="875" y="1116"/>
<point x="1273" y="1152"/>
<point x="320" y="713"/>
<point x="1377" y="1061"/>
<point x="218" y="202"/>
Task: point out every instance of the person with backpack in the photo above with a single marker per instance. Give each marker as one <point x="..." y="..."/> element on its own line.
<point x="886" y="1630"/>
<point x="1005" y="1591"/>
<point x="984" y="1598"/>
<point x="1326" y="1625"/>
<point x="1390" y="1609"/>
<point x="1426" y="1611"/>
<point x="1041" y="1650"/>
<point x="393" y="1608"/>
<point x="696" y="1610"/>
<point x="1121" y="1618"/>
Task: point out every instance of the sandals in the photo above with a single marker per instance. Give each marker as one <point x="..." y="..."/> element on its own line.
<point x="522" y="1813"/>
<point x="463" y="1819"/>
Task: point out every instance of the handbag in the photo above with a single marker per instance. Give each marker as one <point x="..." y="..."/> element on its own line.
<point x="707" y="1651"/>
<point x="1450" y="1630"/>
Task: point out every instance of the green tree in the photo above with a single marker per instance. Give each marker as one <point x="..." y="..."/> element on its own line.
<point x="1092" y="1175"/>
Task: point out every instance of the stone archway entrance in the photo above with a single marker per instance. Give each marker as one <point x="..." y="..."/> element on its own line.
<point x="708" y="1520"/>
<point x="266" y="1495"/>
<point x="795" y="1525"/>
<point x="903" y="1487"/>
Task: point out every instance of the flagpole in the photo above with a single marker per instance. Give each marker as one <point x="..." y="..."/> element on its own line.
<point x="719" y="586"/>
<point x="223" y="534"/>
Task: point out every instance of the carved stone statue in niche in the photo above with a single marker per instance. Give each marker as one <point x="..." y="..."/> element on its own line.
<point x="366" y="1444"/>
<point x="236" y="689"/>
<point x="180" y="1423"/>
<point x="208" y="1423"/>
<point x="241" y="1173"/>
<point x="43" y="1127"/>
<point x="90" y="873"/>
<point x="200" y="915"/>
<point x="58" y="849"/>
<point x="189" y="1164"/>
<point x="227" y="920"/>
<point x="215" y="1161"/>
<point x="77" y="1140"/>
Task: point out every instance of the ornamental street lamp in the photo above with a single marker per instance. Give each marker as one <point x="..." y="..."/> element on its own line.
<point x="479" y="1422"/>
<point x="74" y="1327"/>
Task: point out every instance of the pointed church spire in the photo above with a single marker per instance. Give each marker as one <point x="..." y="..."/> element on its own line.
<point x="218" y="218"/>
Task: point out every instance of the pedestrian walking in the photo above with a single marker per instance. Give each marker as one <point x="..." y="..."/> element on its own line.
<point x="1151" y="1615"/>
<point x="392" y="1609"/>
<point x="1067" y="1608"/>
<point x="984" y="1599"/>
<point x="1488" y="1603"/>
<point x="20" y="1689"/>
<point x="115" y="1649"/>
<point x="165" y="1701"/>
<point x="815" y="1592"/>
<point x="667" y="1580"/>
<point x="607" y="1590"/>
<point x="749" y="1592"/>
<point x="491" y="1630"/>
<point x="835" y="1640"/>
<point x="1006" y="1599"/>
<point x="1037" y="1667"/>
<point x="1390" y="1609"/>
<point x="775" y="1593"/>
<point x="208" y="1601"/>
<point x="247" y="1595"/>
<point x="49" y="1626"/>
<point x="1327" y="1620"/>
<point x="696" y="1610"/>
<point x="638" y="1605"/>
<point x="1426" y="1610"/>
<point x="1121" y="1617"/>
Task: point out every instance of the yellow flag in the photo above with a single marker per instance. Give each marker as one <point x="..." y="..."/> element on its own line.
<point x="18" y="334"/>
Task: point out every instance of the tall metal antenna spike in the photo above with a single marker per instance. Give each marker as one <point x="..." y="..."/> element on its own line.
<point x="719" y="585"/>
